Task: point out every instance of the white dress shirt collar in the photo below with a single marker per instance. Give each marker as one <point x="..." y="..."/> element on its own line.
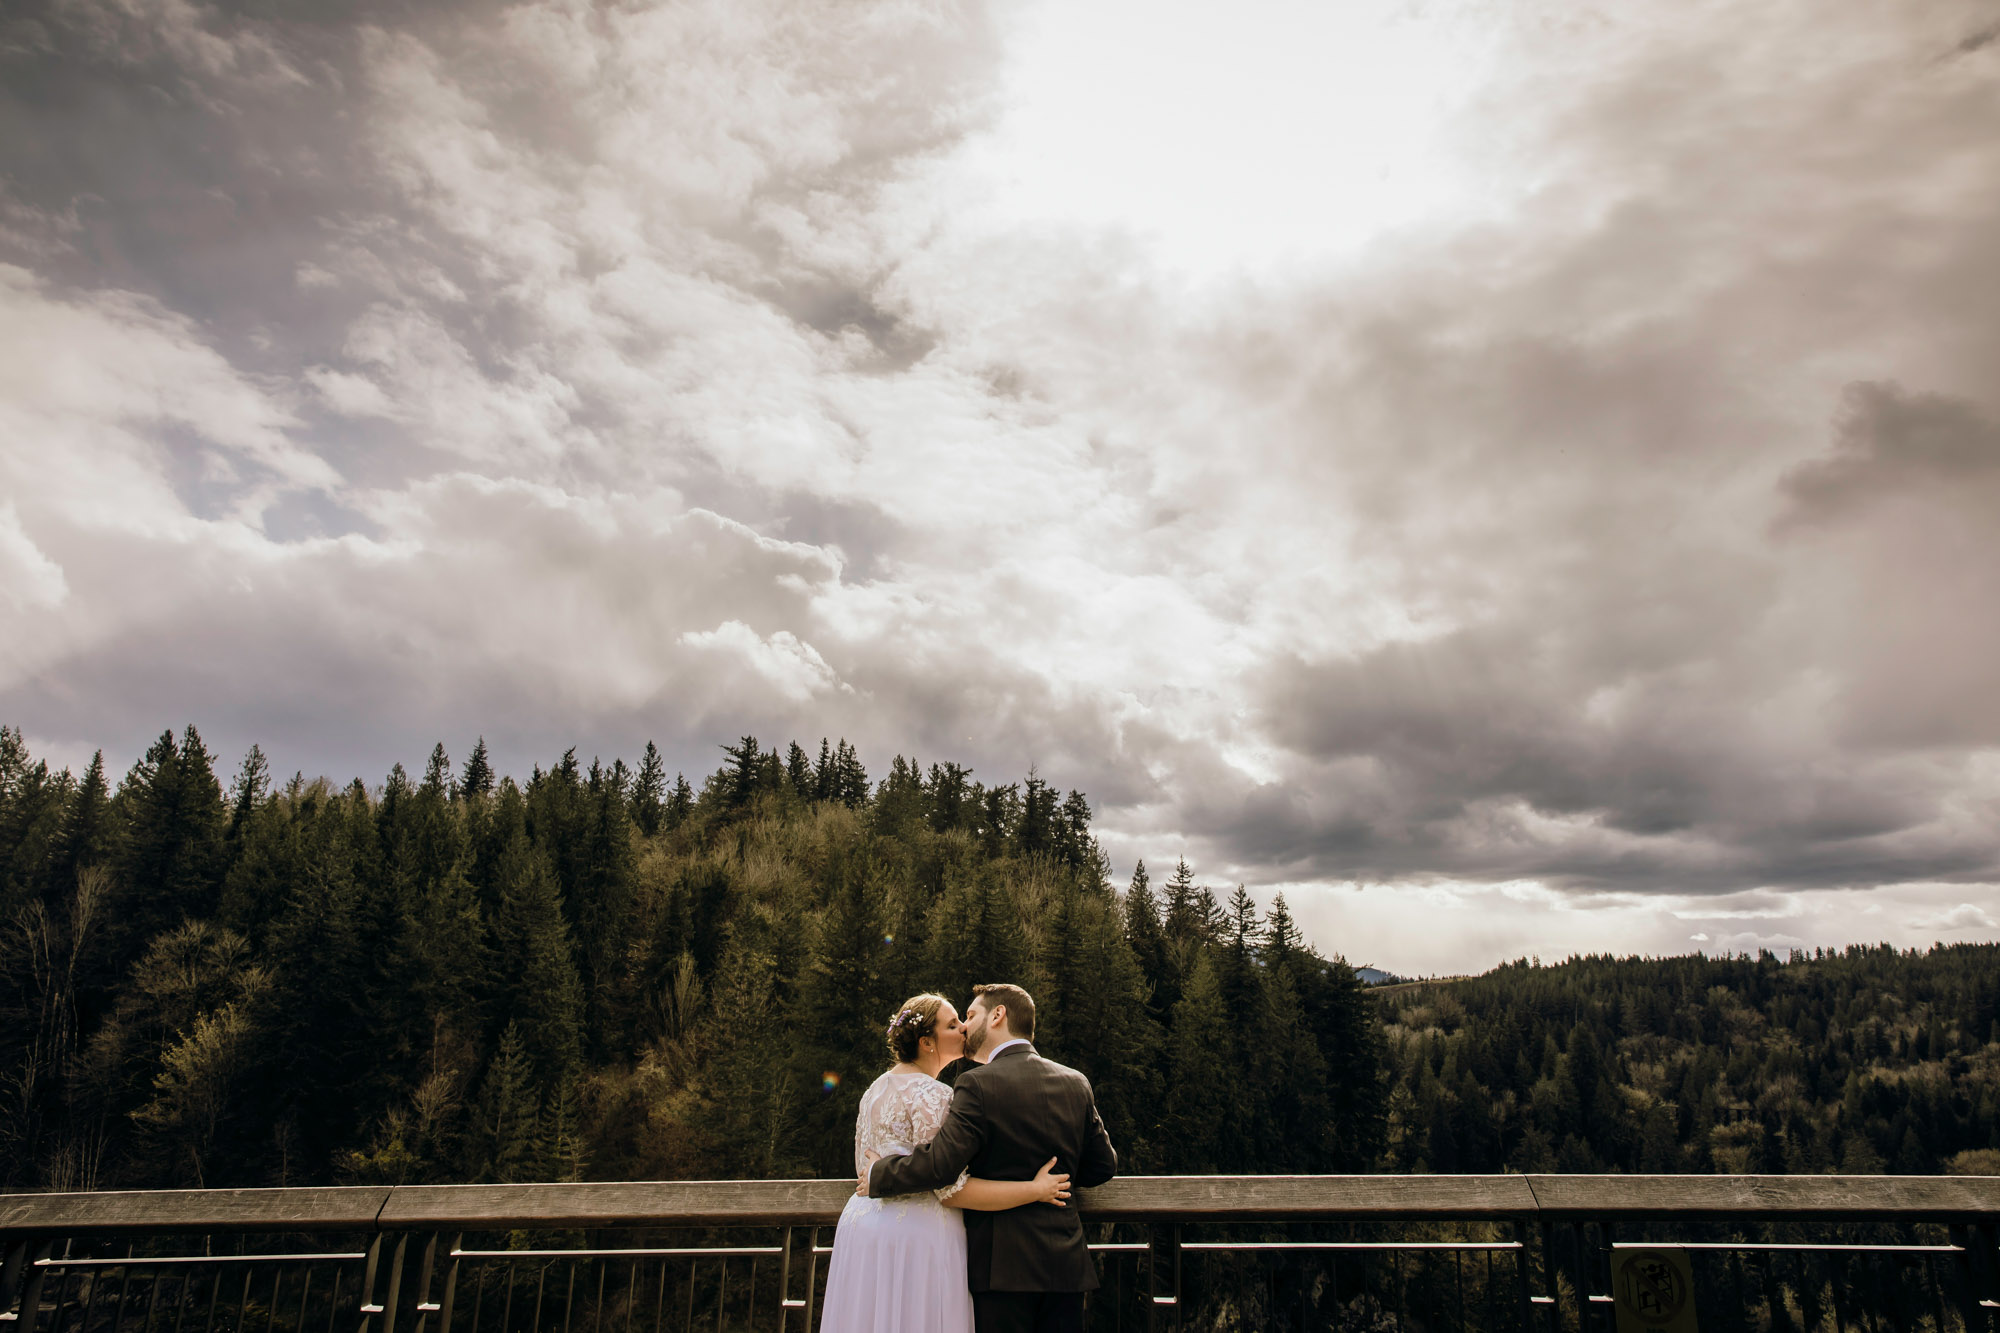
<point x="1018" y="1041"/>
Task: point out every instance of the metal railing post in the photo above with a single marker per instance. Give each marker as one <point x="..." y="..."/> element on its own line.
<point x="30" y="1306"/>
<point x="785" y="1303"/>
<point x="368" y="1308"/>
<point x="1167" y="1239"/>
<point x="395" y="1286"/>
<point x="1579" y="1282"/>
<point x="425" y="1306"/>
<point x="10" y="1274"/>
<point x="450" y="1283"/>
<point x="1969" y="1309"/>
<point x="1522" y="1294"/>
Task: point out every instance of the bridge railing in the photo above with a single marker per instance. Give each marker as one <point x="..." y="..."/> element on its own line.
<point x="1766" y="1254"/>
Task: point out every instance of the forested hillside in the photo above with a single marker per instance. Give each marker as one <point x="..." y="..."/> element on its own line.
<point x="602" y="972"/>
<point x="1862" y="1060"/>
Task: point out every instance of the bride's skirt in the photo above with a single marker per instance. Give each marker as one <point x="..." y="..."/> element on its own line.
<point x="898" y="1267"/>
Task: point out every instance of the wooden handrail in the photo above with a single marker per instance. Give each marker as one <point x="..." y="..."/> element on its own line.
<point x="1131" y="1199"/>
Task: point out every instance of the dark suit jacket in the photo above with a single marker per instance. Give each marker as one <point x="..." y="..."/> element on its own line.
<point x="1006" y="1119"/>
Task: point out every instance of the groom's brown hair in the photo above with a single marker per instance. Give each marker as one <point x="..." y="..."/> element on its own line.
<point x="1020" y="1006"/>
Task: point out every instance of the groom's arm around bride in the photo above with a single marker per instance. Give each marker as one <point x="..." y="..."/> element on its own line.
<point x="1008" y="1116"/>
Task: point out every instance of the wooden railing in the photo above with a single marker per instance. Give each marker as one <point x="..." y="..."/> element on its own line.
<point x="1515" y="1251"/>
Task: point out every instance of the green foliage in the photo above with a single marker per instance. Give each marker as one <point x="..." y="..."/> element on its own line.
<point x="1859" y="1060"/>
<point x="596" y="972"/>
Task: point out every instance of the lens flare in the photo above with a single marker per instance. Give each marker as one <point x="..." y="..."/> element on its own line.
<point x="829" y="1081"/>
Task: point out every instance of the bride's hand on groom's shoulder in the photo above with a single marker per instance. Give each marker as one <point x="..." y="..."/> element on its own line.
<point x="861" y="1176"/>
<point x="1052" y="1184"/>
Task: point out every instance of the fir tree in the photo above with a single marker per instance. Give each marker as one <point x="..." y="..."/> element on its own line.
<point x="478" y="778"/>
<point x="649" y="792"/>
<point x="1200" y="1087"/>
<point x="86" y="830"/>
<point x="798" y="771"/>
<point x="850" y="778"/>
<point x="171" y="856"/>
<point x="537" y="985"/>
<point x="1148" y="944"/>
<point x="680" y="804"/>
<point x="826" y="777"/>
<point x="504" y="1138"/>
<point x="742" y="774"/>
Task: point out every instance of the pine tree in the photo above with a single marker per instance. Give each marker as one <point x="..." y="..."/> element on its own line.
<point x="86" y="830"/>
<point x="1036" y="832"/>
<point x="826" y="777"/>
<point x="1282" y="943"/>
<point x="850" y="778"/>
<point x="504" y="1139"/>
<point x="1190" y="914"/>
<point x="478" y="778"/>
<point x="649" y="792"/>
<point x="252" y="785"/>
<point x="950" y="797"/>
<point x="560" y="1147"/>
<point x="1095" y="1018"/>
<point x="798" y="771"/>
<point x="537" y="985"/>
<point x="1201" y="1097"/>
<point x="1149" y="945"/>
<point x="742" y="772"/>
<point x="680" y="804"/>
<point x="846" y="991"/>
<point x="170" y="863"/>
<point x="1236" y="966"/>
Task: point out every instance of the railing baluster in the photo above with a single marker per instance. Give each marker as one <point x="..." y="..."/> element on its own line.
<point x="11" y="1271"/>
<point x="426" y="1269"/>
<point x="124" y="1291"/>
<point x="450" y="1282"/>
<point x="812" y="1281"/>
<point x="395" y="1295"/>
<point x="374" y="1257"/>
<point x="31" y="1284"/>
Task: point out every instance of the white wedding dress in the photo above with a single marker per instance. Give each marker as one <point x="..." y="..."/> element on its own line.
<point x="898" y="1264"/>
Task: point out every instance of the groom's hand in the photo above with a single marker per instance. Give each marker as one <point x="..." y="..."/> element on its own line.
<point x="861" y="1177"/>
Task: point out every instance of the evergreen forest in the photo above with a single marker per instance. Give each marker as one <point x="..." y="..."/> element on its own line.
<point x="607" y="973"/>
<point x="604" y="972"/>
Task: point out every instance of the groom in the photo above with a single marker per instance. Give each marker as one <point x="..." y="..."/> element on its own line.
<point x="1009" y="1114"/>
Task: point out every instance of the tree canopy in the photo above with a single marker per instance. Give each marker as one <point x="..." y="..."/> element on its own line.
<point x="601" y="973"/>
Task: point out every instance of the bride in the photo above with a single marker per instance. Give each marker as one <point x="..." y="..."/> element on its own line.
<point x="899" y="1264"/>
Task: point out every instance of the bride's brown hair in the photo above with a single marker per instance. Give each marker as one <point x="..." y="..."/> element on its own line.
<point x="913" y="1022"/>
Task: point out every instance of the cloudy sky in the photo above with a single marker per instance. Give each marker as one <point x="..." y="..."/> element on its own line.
<point x="1521" y="476"/>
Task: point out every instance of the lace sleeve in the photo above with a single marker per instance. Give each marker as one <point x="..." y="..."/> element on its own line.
<point x="930" y="1102"/>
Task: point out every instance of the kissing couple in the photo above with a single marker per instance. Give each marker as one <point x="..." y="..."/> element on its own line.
<point x="998" y="1150"/>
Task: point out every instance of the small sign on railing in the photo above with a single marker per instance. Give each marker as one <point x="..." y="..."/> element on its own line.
<point x="1652" y="1291"/>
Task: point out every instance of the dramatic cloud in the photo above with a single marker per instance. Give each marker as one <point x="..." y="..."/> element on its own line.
<point x="1485" y="457"/>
